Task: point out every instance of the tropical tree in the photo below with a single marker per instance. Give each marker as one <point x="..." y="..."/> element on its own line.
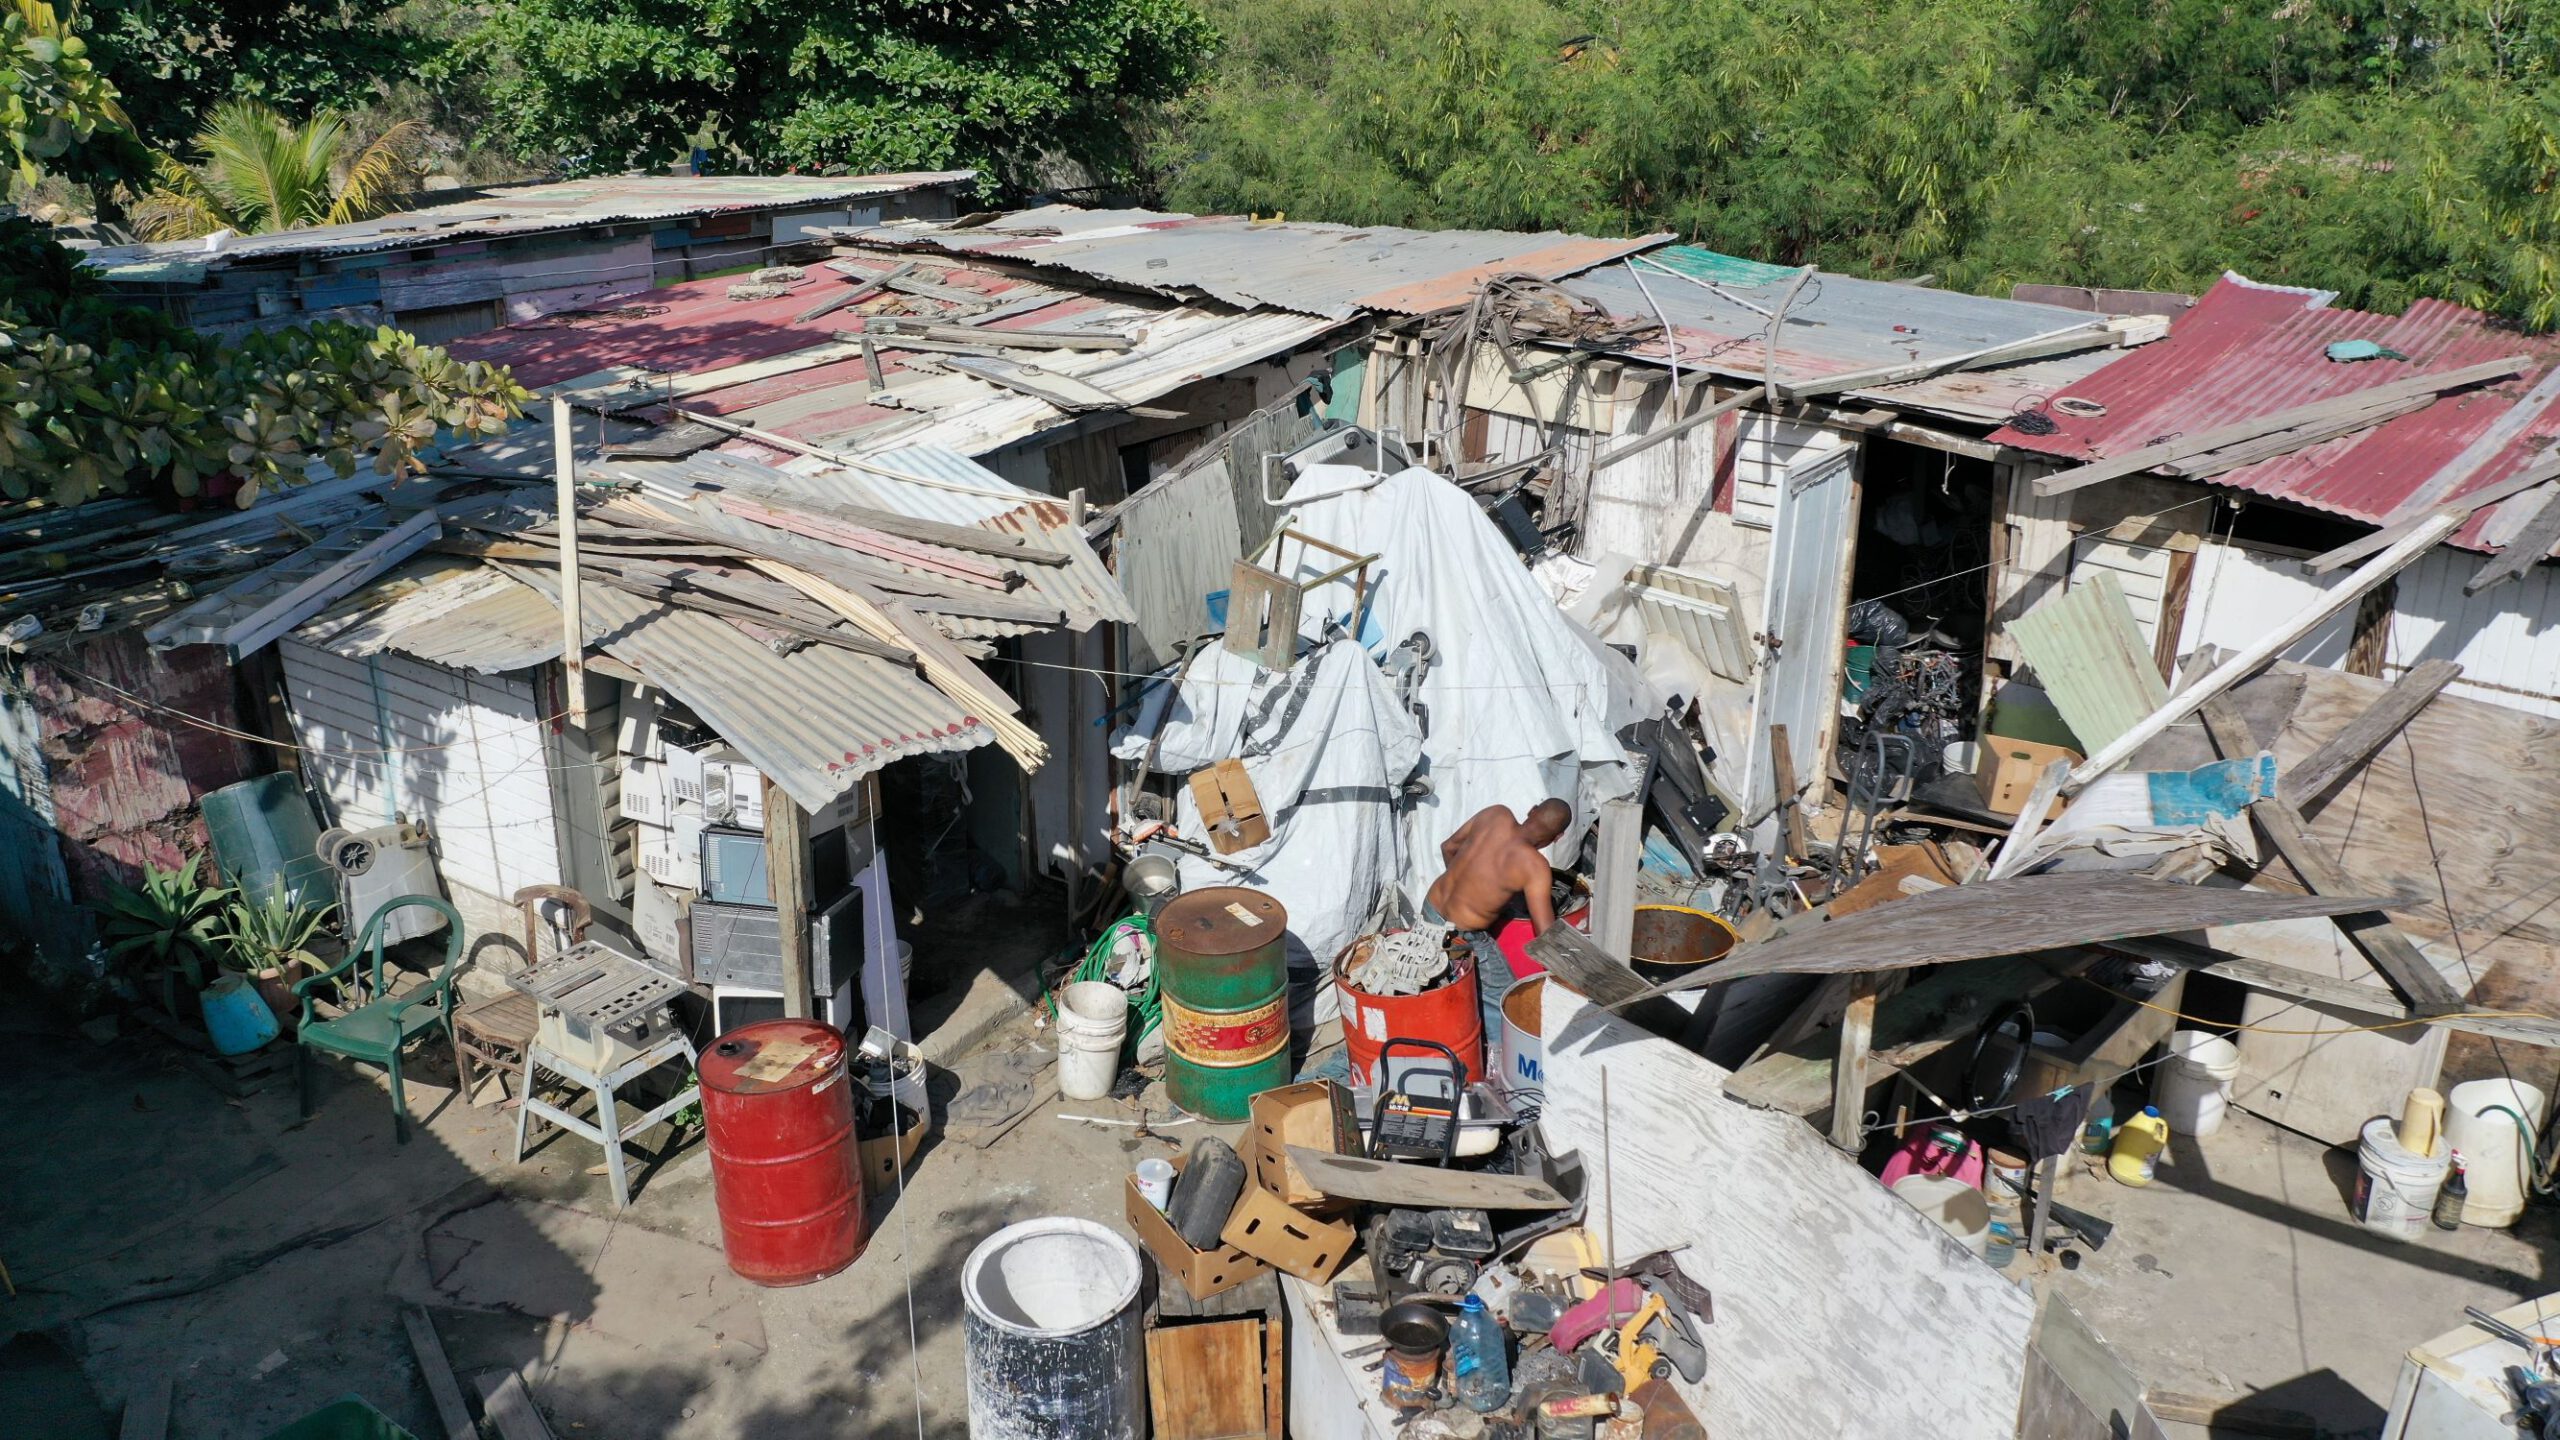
<point x="261" y="172"/>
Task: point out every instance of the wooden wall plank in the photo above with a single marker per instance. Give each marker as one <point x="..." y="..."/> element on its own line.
<point x="1839" y="1310"/>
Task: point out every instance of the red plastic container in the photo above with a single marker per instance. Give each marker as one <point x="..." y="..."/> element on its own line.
<point x="785" y="1169"/>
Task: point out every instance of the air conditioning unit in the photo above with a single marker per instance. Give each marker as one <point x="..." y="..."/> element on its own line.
<point x="375" y="867"/>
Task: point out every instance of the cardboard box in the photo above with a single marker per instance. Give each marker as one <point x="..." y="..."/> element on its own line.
<point x="1316" y="1114"/>
<point x="1203" y="1273"/>
<point x="2009" y="771"/>
<point x="1270" y="1229"/>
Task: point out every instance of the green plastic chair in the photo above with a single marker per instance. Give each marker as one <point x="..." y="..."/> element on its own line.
<point x="378" y="1030"/>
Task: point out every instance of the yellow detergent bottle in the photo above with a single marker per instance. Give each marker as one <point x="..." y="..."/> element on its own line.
<point x="2135" y="1157"/>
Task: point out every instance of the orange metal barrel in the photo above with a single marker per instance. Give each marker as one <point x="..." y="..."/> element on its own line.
<point x="1448" y="1014"/>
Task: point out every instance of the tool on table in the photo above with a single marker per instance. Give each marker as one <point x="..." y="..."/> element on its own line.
<point x="1410" y="1124"/>
<point x="1638" y="1359"/>
<point x="2537" y="1348"/>
<point x="600" y="1007"/>
<point x="1437" y="1251"/>
<point x="2537" y="1403"/>
<point x="1582" y="1321"/>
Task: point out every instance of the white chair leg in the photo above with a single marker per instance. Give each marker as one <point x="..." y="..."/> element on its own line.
<point x="524" y="1112"/>
<point x="609" y="1120"/>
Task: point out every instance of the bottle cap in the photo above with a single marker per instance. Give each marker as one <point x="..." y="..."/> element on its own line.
<point x="1473" y="1305"/>
<point x="2151" y="1110"/>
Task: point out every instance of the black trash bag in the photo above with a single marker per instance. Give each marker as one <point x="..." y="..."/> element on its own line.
<point x="1872" y="622"/>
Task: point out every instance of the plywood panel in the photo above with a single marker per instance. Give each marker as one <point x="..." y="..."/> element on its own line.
<point x="1839" y="1309"/>
<point x="1204" y="1380"/>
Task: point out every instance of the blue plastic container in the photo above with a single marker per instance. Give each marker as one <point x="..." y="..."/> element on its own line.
<point x="236" y="1016"/>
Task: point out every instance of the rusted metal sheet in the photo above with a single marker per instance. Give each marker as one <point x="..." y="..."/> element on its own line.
<point x="2248" y="350"/>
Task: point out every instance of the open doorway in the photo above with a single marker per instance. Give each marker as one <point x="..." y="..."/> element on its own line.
<point x="1918" y="609"/>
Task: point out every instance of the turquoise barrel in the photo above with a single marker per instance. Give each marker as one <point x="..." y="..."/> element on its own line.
<point x="1222" y="971"/>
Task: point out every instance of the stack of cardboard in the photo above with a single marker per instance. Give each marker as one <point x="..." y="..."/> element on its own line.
<point x="1280" y="1222"/>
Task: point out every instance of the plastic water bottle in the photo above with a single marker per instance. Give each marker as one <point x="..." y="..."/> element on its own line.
<point x="1476" y="1354"/>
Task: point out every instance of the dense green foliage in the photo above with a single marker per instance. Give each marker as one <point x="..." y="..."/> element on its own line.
<point x="175" y="61"/>
<point x="871" y="85"/>
<point x="2385" y="150"/>
<point x="57" y="112"/>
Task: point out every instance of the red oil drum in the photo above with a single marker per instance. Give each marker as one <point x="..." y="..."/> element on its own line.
<point x="1448" y="1013"/>
<point x="784" y="1167"/>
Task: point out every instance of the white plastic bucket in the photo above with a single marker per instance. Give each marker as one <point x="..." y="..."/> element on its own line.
<point x="2488" y="1121"/>
<point x="1092" y="1017"/>
<point x="1524" y="1052"/>
<point x="2395" y="1190"/>
<point x="2195" y="1083"/>
<point x="1055" y="1342"/>
<point x="1954" y="1206"/>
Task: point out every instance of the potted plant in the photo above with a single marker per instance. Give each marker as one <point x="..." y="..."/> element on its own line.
<point x="169" y="927"/>
<point x="269" y="941"/>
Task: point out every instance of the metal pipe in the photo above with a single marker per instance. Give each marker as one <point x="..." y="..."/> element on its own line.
<point x="573" y="635"/>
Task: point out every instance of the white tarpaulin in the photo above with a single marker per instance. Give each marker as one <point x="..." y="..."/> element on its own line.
<point x="1327" y="748"/>
<point x="1521" y="702"/>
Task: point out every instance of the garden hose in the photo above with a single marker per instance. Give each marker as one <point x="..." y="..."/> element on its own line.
<point x="1148" y="1003"/>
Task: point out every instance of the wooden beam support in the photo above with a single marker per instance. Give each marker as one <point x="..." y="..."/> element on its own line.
<point x="786" y="864"/>
<point x="1613" y="879"/>
<point x="452" y="1412"/>
<point x="2328" y="990"/>
<point x="2346" y="752"/>
<point x="1679" y="427"/>
<point x="2377" y="398"/>
<point x="1790" y="808"/>
<point x="1849" y="1072"/>
<point x="2370" y="931"/>
<point x="2020" y="847"/>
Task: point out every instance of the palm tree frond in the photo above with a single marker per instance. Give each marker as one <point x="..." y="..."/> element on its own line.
<point x="255" y="160"/>
<point x="179" y="206"/>
<point x="381" y="177"/>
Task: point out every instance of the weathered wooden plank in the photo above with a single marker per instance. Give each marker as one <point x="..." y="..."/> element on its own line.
<point x="1571" y="957"/>
<point x="1849" y="1071"/>
<point x="1678" y="428"/>
<point x="1613" y="880"/>
<point x="2017" y="916"/>
<point x="1840" y="1310"/>
<point x="451" y="1411"/>
<point x="2303" y="785"/>
<point x="510" y="1407"/>
<point x="1782" y="772"/>
<point x="1393" y="1182"/>
<point x="2380" y="540"/>
<point x="2333" y="992"/>
<point x="1941" y="1010"/>
<point x="1205" y="1380"/>
<point x="2371" y="932"/>
<point x="2530" y="547"/>
<point x="2020" y="847"/>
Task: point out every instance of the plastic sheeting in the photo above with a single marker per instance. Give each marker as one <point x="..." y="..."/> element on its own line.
<point x="1327" y="747"/>
<point x="1521" y="703"/>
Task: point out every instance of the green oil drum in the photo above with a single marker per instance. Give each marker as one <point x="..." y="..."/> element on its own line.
<point x="1223" y="973"/>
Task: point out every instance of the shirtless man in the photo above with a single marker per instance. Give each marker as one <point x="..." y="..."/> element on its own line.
<point x="1492" y="861"/>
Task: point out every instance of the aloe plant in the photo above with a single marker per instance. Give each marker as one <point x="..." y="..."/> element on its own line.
<point x="169" y="926"/>
<point x="265" y="935"/>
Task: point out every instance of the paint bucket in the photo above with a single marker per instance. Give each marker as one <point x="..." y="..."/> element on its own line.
<point x="1935" y="1152"/>
<point x="1093" y="1017"/>
<point x="1961" y="757"/>
<point x="1447" y="1013"/>
<point x="236" y="1016"/>
<point x="1670" y="941"/>
<point x="1055" y="1347"/>
<point x="1524" y="1052"/>
<point x="1954" y="1206"/>
<point x="2395" y="1190"/>
<point x="2492" y="1123"/>
<point x="2195" y="1083"/>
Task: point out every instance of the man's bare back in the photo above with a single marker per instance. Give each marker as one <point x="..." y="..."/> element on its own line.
<point x="1492" y="859"/>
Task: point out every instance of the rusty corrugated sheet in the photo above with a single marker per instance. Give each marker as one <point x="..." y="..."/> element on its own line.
<point x="2248" y="350"/>
<point x="522" y="210"/>
<point x="1332" y="271"/>
<point x="446" y="610"/>
<point x="814" y="721"/>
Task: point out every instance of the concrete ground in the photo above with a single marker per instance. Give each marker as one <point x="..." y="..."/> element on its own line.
<point x="155" y="1228"/>
<point x="2241" y="1274"/>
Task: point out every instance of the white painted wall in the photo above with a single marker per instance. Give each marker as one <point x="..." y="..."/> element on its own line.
<point x="469" y="759"/>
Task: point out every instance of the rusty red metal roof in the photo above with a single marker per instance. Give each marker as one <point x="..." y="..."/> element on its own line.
<point x="2248" y="350"/>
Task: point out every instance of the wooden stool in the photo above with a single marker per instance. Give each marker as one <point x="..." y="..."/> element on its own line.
<point x="495" y="1032"/>
<point x="498" y="1031"/>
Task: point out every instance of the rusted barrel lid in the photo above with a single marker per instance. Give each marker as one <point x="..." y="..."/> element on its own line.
<point x="1222" y="920"/>
<point x="772" y="1055"/>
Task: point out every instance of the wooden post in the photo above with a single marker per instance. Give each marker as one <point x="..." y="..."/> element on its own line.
<point x="573" y="635"/>
<point x="1849" y="1076"/>
<point x="786" y="864"/>
<point x="1782" y="772"/>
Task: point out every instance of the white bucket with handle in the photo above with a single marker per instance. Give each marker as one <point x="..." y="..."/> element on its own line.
<point x="1093" y="1016"/>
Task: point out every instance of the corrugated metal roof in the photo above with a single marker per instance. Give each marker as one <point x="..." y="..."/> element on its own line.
<point x="1991" y="396"/>
<point x="1083" y="589"/>
<point x="1836" y="325"/>
<point x="1333" y="271"/>
<point x="816" y="720"/>
<point x="448" y="610"/>
<point x="517" y="210"/>
<point x="2247" y="350"/>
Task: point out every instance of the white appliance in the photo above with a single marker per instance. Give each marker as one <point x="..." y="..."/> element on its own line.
<point x="375" y="867"/>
